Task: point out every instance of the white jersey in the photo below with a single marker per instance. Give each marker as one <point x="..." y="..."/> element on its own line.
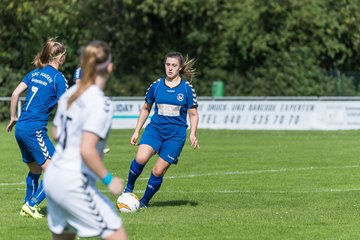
<point x="74" y="203"/>
<point x="91" y="112"/>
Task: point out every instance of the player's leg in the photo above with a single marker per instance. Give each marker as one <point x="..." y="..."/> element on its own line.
<point x="42" y="150"/>
<point x="39" y="195"/>
<point x="32" y="180"/>
<point x="120" y="234"/>
<point x="149" y="144"/>
<point x="144" y="153"/>
<point x="155" y="181"/>
<point x="25" y="140"/>
<point x="30" y="206"/>
<point x="169" y="153"/>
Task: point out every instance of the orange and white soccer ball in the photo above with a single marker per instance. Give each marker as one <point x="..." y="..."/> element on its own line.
<point x="128" y="202"/>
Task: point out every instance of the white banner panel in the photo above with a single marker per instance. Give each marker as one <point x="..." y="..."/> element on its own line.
<point x="259" y="115"/>
<point x="255" y="115"/>
<point x="126" y="114"/>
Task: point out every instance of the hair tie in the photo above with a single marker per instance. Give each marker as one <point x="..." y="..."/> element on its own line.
<point x="103" y="65"/>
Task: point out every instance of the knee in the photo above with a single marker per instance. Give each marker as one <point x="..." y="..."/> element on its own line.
<point x="144" y="154"/>
<point x="44" y="166"/>
<point x="158" y="172"/>
<point x="141" y="160"/>
<point x="35" y="169"/>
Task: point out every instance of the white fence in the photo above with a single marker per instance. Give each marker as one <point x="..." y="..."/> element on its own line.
<point x="7" y="99"/>
<point x="256" y="113"/>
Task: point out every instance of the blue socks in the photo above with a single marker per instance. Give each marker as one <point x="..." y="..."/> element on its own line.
<point x="39" y="196"/>
<point x="134" y="172"/>
<point x="153" y="186"/>
<point x="32" y="183"/>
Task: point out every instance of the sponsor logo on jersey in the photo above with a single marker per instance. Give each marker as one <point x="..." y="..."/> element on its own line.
<point x="47" y="77"/>
<point x="180" y="97"/>
<point x="39" y="81"/>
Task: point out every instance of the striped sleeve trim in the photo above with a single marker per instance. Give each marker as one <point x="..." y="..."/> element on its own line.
<point x="193" y="93"/>
<point x="151" y="86"/>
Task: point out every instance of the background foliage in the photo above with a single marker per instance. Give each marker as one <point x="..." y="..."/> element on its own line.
<point x="272" y="48"/>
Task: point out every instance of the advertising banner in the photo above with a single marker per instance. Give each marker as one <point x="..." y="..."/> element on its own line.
<point x="258" y="115"/>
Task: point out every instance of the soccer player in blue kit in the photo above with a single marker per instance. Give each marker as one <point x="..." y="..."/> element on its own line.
<point x="165" y="135"/>
<point x="77" y="75"/>
<point x="45" y="85"/>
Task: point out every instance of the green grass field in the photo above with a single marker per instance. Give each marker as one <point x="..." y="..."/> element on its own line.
<point x="238" y="185"/>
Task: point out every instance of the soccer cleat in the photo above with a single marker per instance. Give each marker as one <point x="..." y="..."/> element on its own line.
<point x="31" y="211"/>
<point x="142" y="205"/>
<point x="127" y="190"/>
<point x="37" y="208"/>
<point x="23" y="213"/>
<point x="106" y="150"/>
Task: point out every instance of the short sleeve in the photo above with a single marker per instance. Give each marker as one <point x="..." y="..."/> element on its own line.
<point x="191" y="96"/>
<point x="150" y="93"/>
<point x="27" y="79"/>
<point x="99" y="119"/>
<point x="77" y="74"/>
<point x="61" y="85"/>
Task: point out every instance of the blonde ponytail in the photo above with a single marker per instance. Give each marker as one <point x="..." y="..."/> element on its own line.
<point x="95" y="56"/>
<point x="188" y="69"/>
<point x="51" y="50"/>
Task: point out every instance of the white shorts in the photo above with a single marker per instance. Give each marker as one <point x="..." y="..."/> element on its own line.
<point x="75" y="205"/>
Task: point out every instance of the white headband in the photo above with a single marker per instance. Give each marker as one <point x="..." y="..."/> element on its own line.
<point x="103" y="65"/>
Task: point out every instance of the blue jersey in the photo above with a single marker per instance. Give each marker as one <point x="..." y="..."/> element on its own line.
<point x="45" y="86"/>
<point x="77" y="74"/>
<point x="171" y="104"/>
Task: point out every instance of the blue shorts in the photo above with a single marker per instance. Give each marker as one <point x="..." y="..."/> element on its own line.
<point x="167" y="141"/>
<point x="34" y="145"/>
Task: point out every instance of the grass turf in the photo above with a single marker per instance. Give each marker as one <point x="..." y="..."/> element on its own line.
<point x="238" y="185"/>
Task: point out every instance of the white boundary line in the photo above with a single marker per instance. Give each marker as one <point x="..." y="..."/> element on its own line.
<point x="257" y="172"/>
<point x="11" y="184"/>
<point x="245" y="191"/>
<point x="265" y="191"/>
<point x="235" y="173"/>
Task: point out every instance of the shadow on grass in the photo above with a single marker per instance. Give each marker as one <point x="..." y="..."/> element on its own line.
<point x="43" y="210"/>
<point x="154" y="204"/>
<point x="174" y="203"/>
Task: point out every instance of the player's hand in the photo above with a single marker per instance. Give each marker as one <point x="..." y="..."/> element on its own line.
<point x="134" y="138"/>
<point x="116" y="186"/>
<point x="12" y="123"/>
<point x="194" y="142"/>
